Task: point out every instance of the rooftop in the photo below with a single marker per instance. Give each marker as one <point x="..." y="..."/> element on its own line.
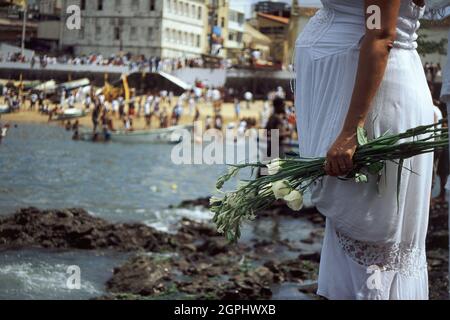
<point x="281" y="20"/>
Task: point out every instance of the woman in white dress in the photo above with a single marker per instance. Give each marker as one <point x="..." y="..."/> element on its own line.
<point x="351" y="74"/>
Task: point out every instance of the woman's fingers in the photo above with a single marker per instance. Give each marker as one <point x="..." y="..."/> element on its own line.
<point x="332" y="166"/>
<point x="345" y="163"/>
<point x="338" y="165"/>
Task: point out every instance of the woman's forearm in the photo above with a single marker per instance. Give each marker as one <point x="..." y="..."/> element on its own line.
<point x="374" y="54"/>
<point x="372" y="66"/>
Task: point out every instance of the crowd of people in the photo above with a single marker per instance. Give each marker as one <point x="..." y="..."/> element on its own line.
<point x="133" y="62"/>
<point x="157" y="108"/>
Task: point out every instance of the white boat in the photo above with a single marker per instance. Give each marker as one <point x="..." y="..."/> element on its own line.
<point x="4" y="108"/>
<point x="48" y="87"/>
<point x="72" y="113"/>
<point x="172" y="135"/>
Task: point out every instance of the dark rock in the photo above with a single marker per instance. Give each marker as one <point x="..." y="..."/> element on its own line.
<point x="310" y="256"/>
<point x="76" y="229"/>
<point x="141" y="275"/>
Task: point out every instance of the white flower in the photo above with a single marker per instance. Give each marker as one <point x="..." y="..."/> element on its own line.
<point x="262" y="190"/>
<point x="294" y="200"/>
<point x="281" y="189"/>
<point x="274" y="167"/>
<point x="214" y="201"/>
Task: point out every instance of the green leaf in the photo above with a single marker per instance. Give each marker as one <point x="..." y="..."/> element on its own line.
<point x="362" y="136"/>
<point x="399" y="181"/>
<point x="361" y="178"/>
<point x="375" y="168"/>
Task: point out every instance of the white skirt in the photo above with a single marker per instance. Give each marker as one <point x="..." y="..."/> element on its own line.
<point x="369" y="238"/>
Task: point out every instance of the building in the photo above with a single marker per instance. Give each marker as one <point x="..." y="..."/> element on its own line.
<point x="256" y="41"/>
<point x="49" y="25"/>
<point x="168" y="29"/>
<point x="218" y="13"/>
<point x="277" y="29"/>
<point x="431" y="32"/>
<point x="280" y="9"/>
<point x="234" y="43"/>
<point x="11" y="22"/>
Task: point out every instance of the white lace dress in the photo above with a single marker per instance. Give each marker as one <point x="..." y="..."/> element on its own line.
<point x="373" y="248"/>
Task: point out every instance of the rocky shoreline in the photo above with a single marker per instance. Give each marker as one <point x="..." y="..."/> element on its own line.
<point x="196" y="262"/>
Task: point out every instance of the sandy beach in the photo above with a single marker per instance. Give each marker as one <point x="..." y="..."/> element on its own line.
<point x="228" y="114"/>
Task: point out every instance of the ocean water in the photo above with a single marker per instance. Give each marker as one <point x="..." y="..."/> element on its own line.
<point x="41" y="166"/>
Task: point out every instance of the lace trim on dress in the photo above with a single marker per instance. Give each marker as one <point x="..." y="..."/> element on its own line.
<point x="315" y="27"/>
<point x="406" y="260"/>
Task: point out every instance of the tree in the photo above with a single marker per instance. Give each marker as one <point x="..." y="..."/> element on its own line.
<point x="431" y="46"/>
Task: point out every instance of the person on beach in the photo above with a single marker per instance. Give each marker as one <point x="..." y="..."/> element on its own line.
<point x="192" y="103"/>
<point x="278" y="122"/>
<point x="441" y="157"/>
<point x="96" y="114"/>
<point x="351" y="74"/>
<point x="33" y="99"/>
<point x="76" y="130"/>
<point x="248" y="96"/>
<point x="237" y="108"/>
<point x="128" y="123"/>
<point x="121" y="107"/>
<point x="197" y="114"/>
<point x="164" y="119"/>
<point x="177" y="113"/>
<point x="87" y="102"/>
<point x="148" y="111"/>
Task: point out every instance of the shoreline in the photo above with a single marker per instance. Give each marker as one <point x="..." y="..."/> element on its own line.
<point x="26" y="116"/>
<point x="197" y="262"/>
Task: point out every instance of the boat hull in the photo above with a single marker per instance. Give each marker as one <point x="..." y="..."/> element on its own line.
<point x="171" y="135"/>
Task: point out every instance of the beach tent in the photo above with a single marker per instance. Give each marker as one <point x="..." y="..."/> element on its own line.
<point x="157" y="81"/>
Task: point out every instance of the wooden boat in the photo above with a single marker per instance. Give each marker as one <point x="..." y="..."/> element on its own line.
<point x="172" y="135"/>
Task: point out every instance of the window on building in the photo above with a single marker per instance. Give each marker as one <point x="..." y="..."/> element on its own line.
<point x="152" y="5"/>
<point x="200" y="13"/>
<point x="99" y="5"/>
<point x="222" y="22"/>
<point x="133" y="33"/>
<point x="135" y="5"/>
<point x="83" y="5"/>
<point x="149" y="33"/>
<point x="118" y="5"/>
<point x="98" y="32"/>
<point x="240" y="37"/>
<point x="116" y="33"/>
<point x="199" y="44"/>
<point x="81" y="33"/>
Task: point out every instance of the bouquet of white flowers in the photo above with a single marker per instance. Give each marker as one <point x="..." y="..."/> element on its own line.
<point x="289" y="178"/>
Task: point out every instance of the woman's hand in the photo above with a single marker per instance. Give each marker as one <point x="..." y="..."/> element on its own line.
<point x="340" y="156"/>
